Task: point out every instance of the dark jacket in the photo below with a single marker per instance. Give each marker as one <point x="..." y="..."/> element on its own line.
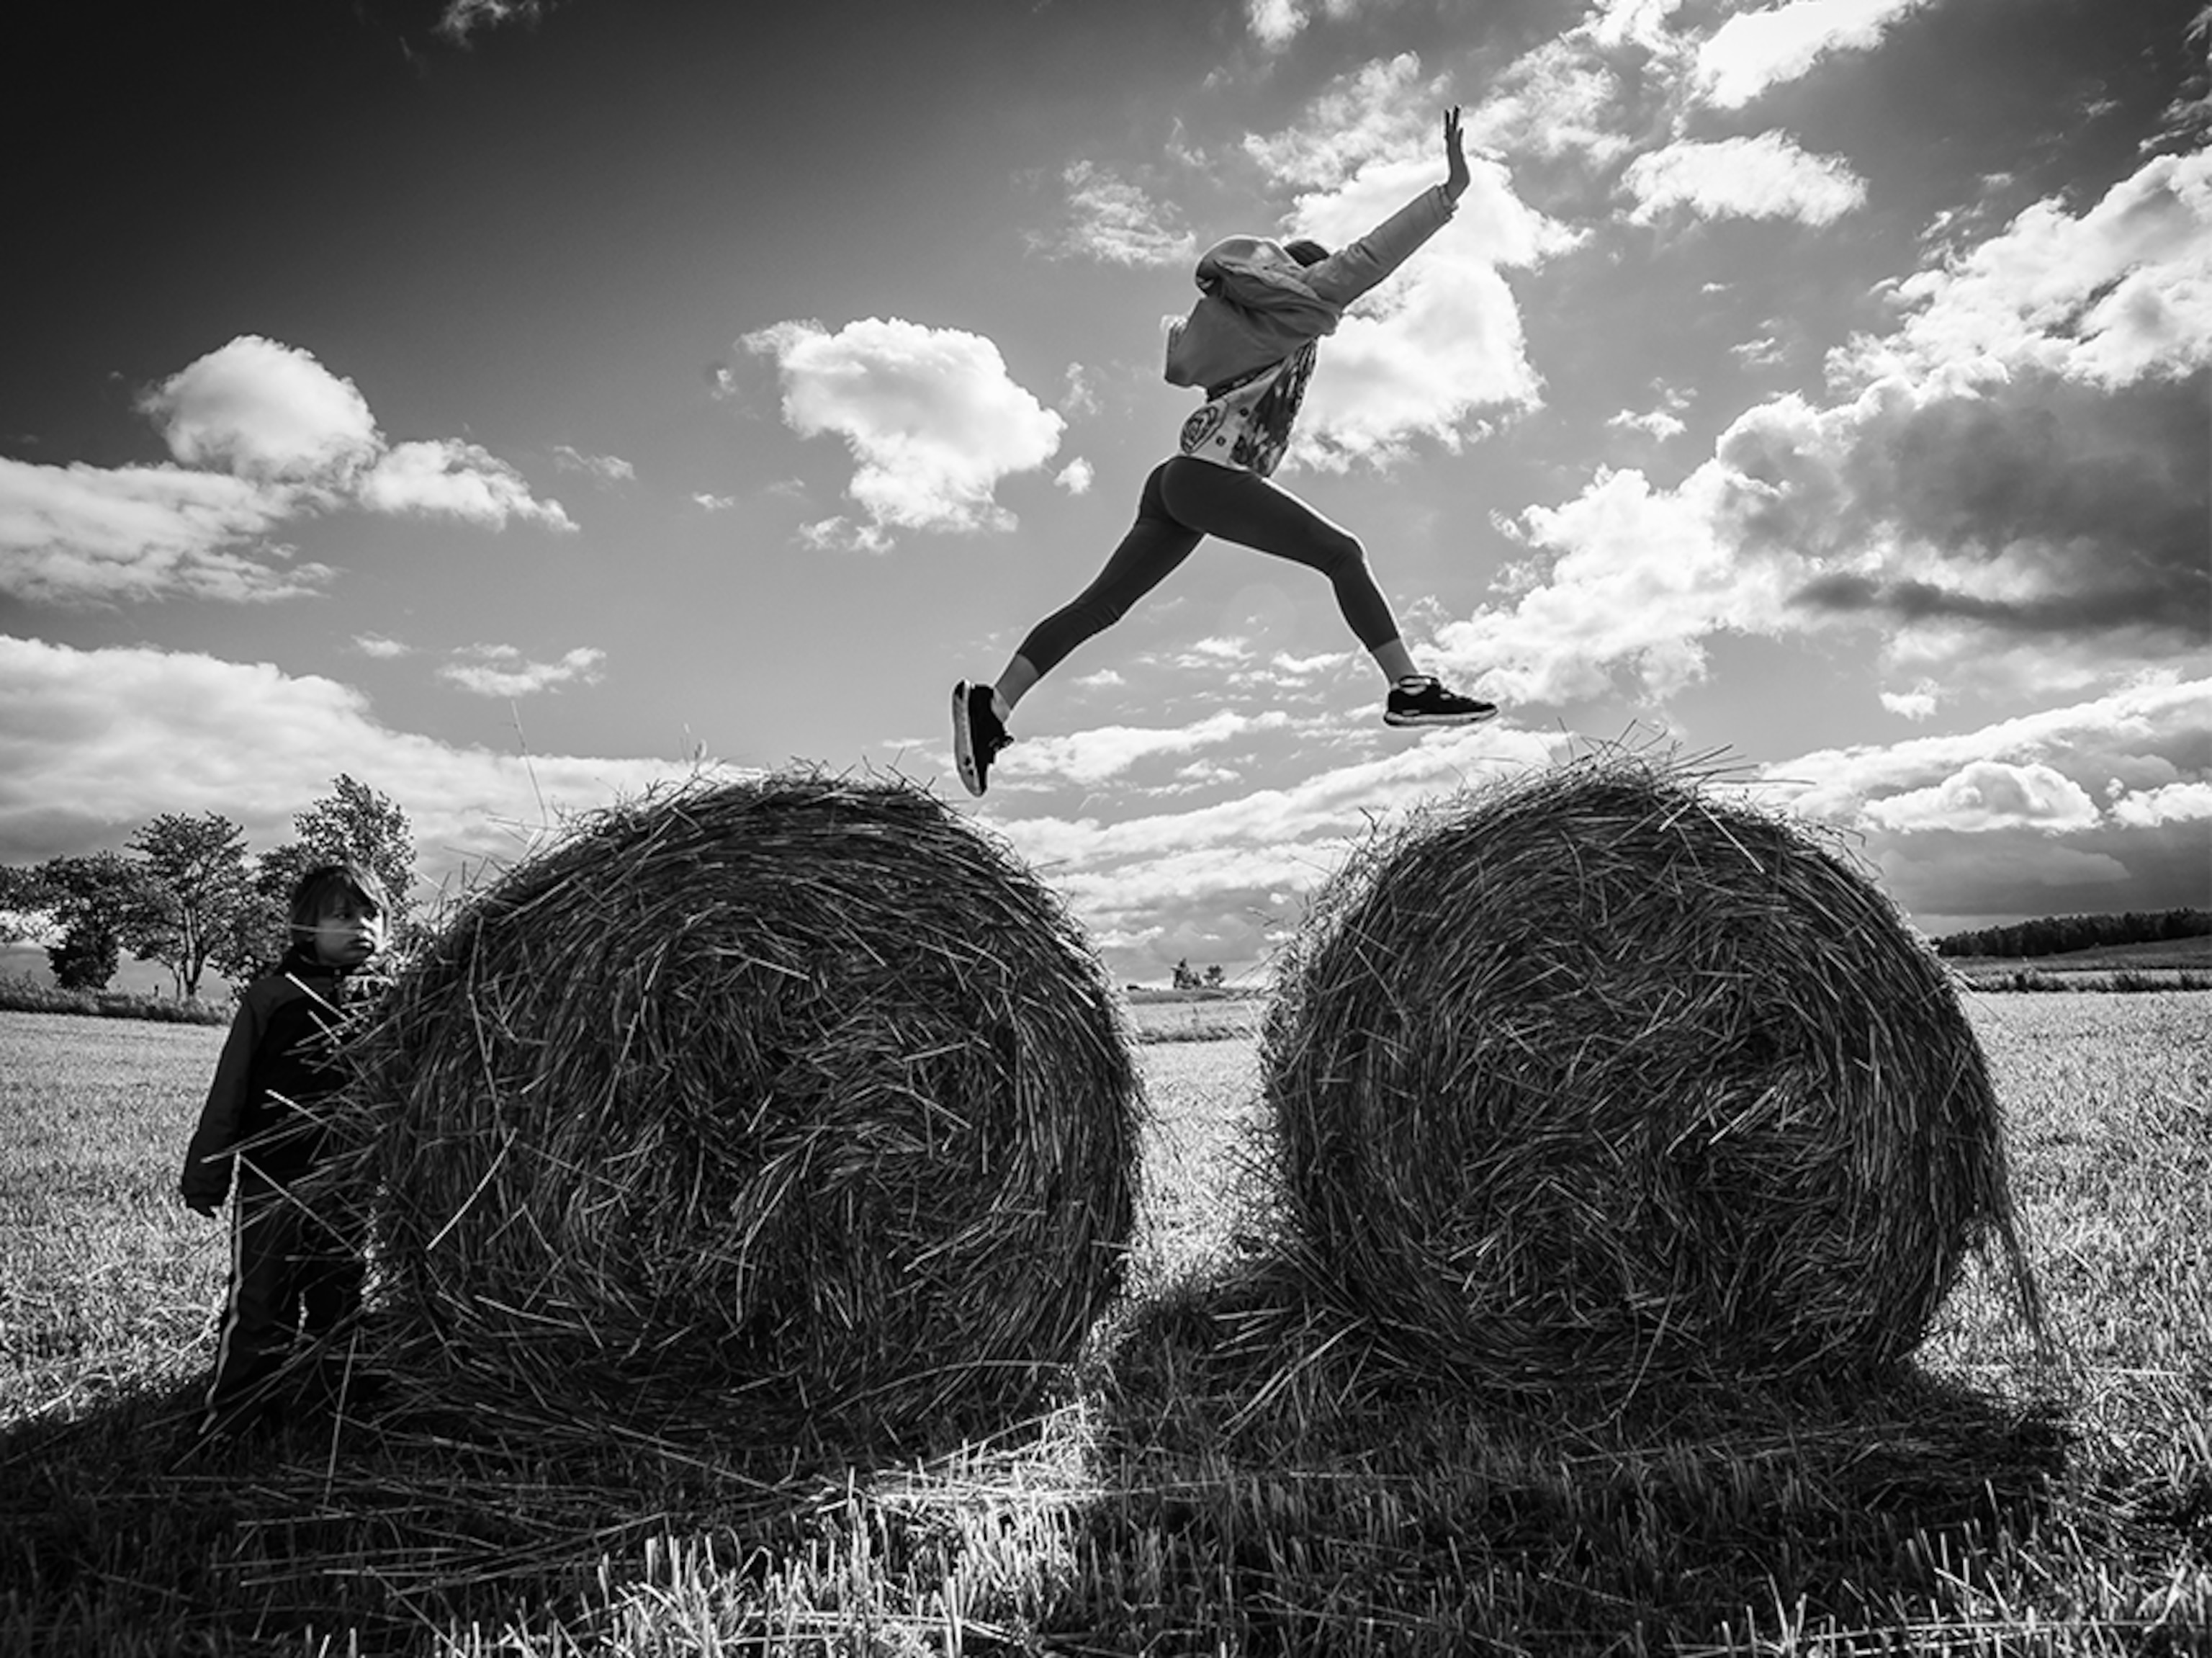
<point x="281" y="1054"/>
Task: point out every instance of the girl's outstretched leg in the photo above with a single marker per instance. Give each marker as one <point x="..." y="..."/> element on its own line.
<point x="1154" y="544"/>
<point x="1249" y="510"/>
<point x="1015" y="681"/>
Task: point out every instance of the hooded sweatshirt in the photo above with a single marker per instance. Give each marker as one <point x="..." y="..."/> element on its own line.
<point x="1249" y="340"/>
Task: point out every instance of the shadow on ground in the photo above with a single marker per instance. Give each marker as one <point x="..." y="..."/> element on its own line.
<point x="386" y="1514"/>
<point x="1270" y="1468"/>
<point x="1243" y="1471"/>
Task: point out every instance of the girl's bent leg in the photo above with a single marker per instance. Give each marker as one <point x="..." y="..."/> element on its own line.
<point x="1246" y="508"/>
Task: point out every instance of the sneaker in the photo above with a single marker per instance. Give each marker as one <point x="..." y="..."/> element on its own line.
<point x="1421" y="699"/>
<point x="978" y="734"/>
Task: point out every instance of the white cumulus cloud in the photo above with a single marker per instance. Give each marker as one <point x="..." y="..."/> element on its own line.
<point x="445" y="478"/>
<point x="1766" y="176"/>
<point x="1640" y="22"/>
<point x="931" y="416"/>
<point x="1440" y="342"/>
<point x="1561" y="98"/>
<point x="98" y="741"/>
<point x="263" y="434"/>
<point x="98" y="533"/>
<point x="2014" y="470"/>
<point x="1918" y="703"/>
<point x="1118" y="222"/>
<point x="1638" y="579"/>
<point x="1092" y="756"/>
<point x="1276" y="23"/>
<point x="2172" y="802"/>
<point x="2123" y="292"/>
<point x="1385" y="110"/>
<point x="1988" y="794"/>
<point x="1991" y="823"/>
<point x="1660" y="424"/>
<point x="1258" y="844"/>
<point x="2134" y="733"/>
<point x="490" y="670"/>
<point x="265" y="412"/>
<point x="1081" y="397"/>
<point x="1755" y="50"/>
<point x="606" y="468"/>
<point x="463" y="18"/>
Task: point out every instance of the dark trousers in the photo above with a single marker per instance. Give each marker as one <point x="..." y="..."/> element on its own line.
<point x="293" y="1274"/>
<point x="1186" y="500"/>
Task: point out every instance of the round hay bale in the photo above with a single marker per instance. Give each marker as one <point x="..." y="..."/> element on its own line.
<point x="793" y="1105"/>
<point x="1590" y="1077"/>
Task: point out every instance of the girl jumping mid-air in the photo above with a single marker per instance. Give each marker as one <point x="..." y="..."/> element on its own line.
<point x="1250" y="343"/>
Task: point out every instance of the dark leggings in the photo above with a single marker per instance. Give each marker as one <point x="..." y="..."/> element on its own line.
<point x="292" y="1273"/>
<point x="1186" y="500"/>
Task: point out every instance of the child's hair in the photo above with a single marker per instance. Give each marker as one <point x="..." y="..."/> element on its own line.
<point x="1305" y="252"/>
<point x="315" y="889"/>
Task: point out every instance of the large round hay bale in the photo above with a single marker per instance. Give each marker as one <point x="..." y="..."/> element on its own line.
<point x="790" y="1104"/>
<point x="1590" y="1077"/>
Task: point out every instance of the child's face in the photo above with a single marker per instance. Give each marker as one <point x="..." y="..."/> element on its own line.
<point x="349" y="930"/>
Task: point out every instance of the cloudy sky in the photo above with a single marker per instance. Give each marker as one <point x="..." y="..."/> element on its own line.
<point x="512" y="403"/>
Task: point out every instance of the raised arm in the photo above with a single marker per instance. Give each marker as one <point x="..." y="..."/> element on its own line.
<point x="1349" y="272"/>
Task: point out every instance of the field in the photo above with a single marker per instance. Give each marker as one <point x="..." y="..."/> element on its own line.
<point x="1230" y="1472"/>
<point x="2170" y="964"/>
<point x="1194" y="1016"/>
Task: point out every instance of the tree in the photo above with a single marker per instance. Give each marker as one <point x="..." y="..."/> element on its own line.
<point x="196" y="866"/>
<point x="23" y="903"/>
<point x="259" y="933"/>
<point x="84" y="960"/>
<point x="353" y="822"/>
<point x="1214" y="977"/>
<point x="2057" y="935"/>
<point x="98" y="901"/>
<point x="1185" y="979"/>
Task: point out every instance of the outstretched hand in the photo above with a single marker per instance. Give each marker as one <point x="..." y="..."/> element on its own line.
<point x="1456" y="172"/>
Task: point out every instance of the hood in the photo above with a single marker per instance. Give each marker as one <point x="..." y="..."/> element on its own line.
<point x="1256" y="275"/>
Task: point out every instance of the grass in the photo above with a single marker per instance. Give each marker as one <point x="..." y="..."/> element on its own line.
<point x="20" y="993"/>
<point x="2125" y="980"/>
<point x="107" y="1280"/>
<point x="1194" y="1016"/>
<point x="2174" y="963"/>
<point x="1230" y="1472"/>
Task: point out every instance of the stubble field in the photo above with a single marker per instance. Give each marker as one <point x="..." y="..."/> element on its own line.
<point x="1228" y="1474"/>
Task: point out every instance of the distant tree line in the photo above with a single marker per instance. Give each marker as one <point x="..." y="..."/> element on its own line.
<point x="187" y="892"/>
<point x="2056" y="934"/>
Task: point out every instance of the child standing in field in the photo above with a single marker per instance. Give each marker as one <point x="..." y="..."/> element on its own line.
<point x="1250" y="344"/>
<point x="293" y="1271"/>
